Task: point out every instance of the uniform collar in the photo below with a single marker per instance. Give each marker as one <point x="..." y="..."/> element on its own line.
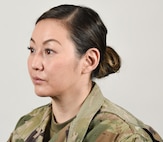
<point x="90" y="107"/>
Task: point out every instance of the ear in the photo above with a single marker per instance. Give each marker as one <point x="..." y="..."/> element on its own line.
<point x="91" y="60"/>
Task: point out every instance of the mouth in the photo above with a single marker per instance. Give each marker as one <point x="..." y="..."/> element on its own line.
<point x="37" y="80"/>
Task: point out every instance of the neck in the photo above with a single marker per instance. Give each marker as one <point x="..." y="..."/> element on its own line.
<point x="68" y="105"/>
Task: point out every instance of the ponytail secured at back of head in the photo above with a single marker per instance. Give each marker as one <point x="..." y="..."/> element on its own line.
<point x="111" y="63"/>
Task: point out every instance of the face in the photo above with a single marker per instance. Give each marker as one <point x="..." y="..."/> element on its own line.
<point x="53" y="64"/>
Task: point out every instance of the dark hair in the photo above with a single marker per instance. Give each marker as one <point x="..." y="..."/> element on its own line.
<point x="86" y="31"/>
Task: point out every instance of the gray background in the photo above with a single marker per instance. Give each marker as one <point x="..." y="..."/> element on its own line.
<point x="135" y="31"/>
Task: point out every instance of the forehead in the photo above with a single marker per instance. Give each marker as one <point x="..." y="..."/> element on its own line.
<point x="50" y="28"/>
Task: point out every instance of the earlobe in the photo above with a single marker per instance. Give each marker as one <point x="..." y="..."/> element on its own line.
<point x="91" y="60"/>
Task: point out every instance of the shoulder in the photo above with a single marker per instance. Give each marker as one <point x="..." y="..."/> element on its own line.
<point x="117" y="119"/>
<point x="34" y="113"/>
<point x="31" y="123"/>
<point x="121" y="113"/>
<point x="112" y="120"/>
<point x="110" y="126"/>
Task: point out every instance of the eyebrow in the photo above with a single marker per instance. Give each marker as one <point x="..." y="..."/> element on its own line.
<point x="46" y="41"/>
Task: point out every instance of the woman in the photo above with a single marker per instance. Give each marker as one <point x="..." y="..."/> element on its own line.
<point x="67" y="50"/>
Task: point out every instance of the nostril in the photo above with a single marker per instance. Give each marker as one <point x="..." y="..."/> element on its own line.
<point x="37" y="66"/>
<point x="36" y="61"/>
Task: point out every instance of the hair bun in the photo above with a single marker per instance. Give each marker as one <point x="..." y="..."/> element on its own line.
<point x="110" y="64"/>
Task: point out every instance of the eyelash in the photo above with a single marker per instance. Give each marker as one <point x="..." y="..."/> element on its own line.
<point x="31" y="49"/>
<point x="47" y="50"/>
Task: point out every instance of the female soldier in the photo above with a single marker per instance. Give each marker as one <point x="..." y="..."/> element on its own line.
<point x="67" y="50"/>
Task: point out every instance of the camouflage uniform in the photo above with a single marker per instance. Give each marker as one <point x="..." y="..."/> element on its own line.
<point x="98" y="120"/>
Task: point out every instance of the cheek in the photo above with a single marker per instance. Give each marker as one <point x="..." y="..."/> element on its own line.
<point x="54" y="69"/>
<point x="29" y="64"/>
<point x="60" y="68"/>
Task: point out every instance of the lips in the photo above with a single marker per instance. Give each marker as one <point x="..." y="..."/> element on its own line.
<point x="37" y="80"/>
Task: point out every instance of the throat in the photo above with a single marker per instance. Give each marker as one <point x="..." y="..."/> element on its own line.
<point x="63" y="113"/>
<point x="68" y="105"/>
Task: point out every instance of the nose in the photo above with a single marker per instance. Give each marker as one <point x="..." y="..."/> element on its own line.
<point x="37" y="63"/>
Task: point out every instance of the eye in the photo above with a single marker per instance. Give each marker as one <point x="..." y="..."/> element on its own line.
<point x="31" y="49"/>
<point x="48" y="51"/>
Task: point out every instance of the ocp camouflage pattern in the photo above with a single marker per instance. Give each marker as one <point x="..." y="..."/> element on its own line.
<point x="98" y="120"/>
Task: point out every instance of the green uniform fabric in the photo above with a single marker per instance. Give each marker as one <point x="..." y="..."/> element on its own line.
<point x="98" y="120"/>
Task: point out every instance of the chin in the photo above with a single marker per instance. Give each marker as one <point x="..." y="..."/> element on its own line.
<point x="41" y="93"/>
